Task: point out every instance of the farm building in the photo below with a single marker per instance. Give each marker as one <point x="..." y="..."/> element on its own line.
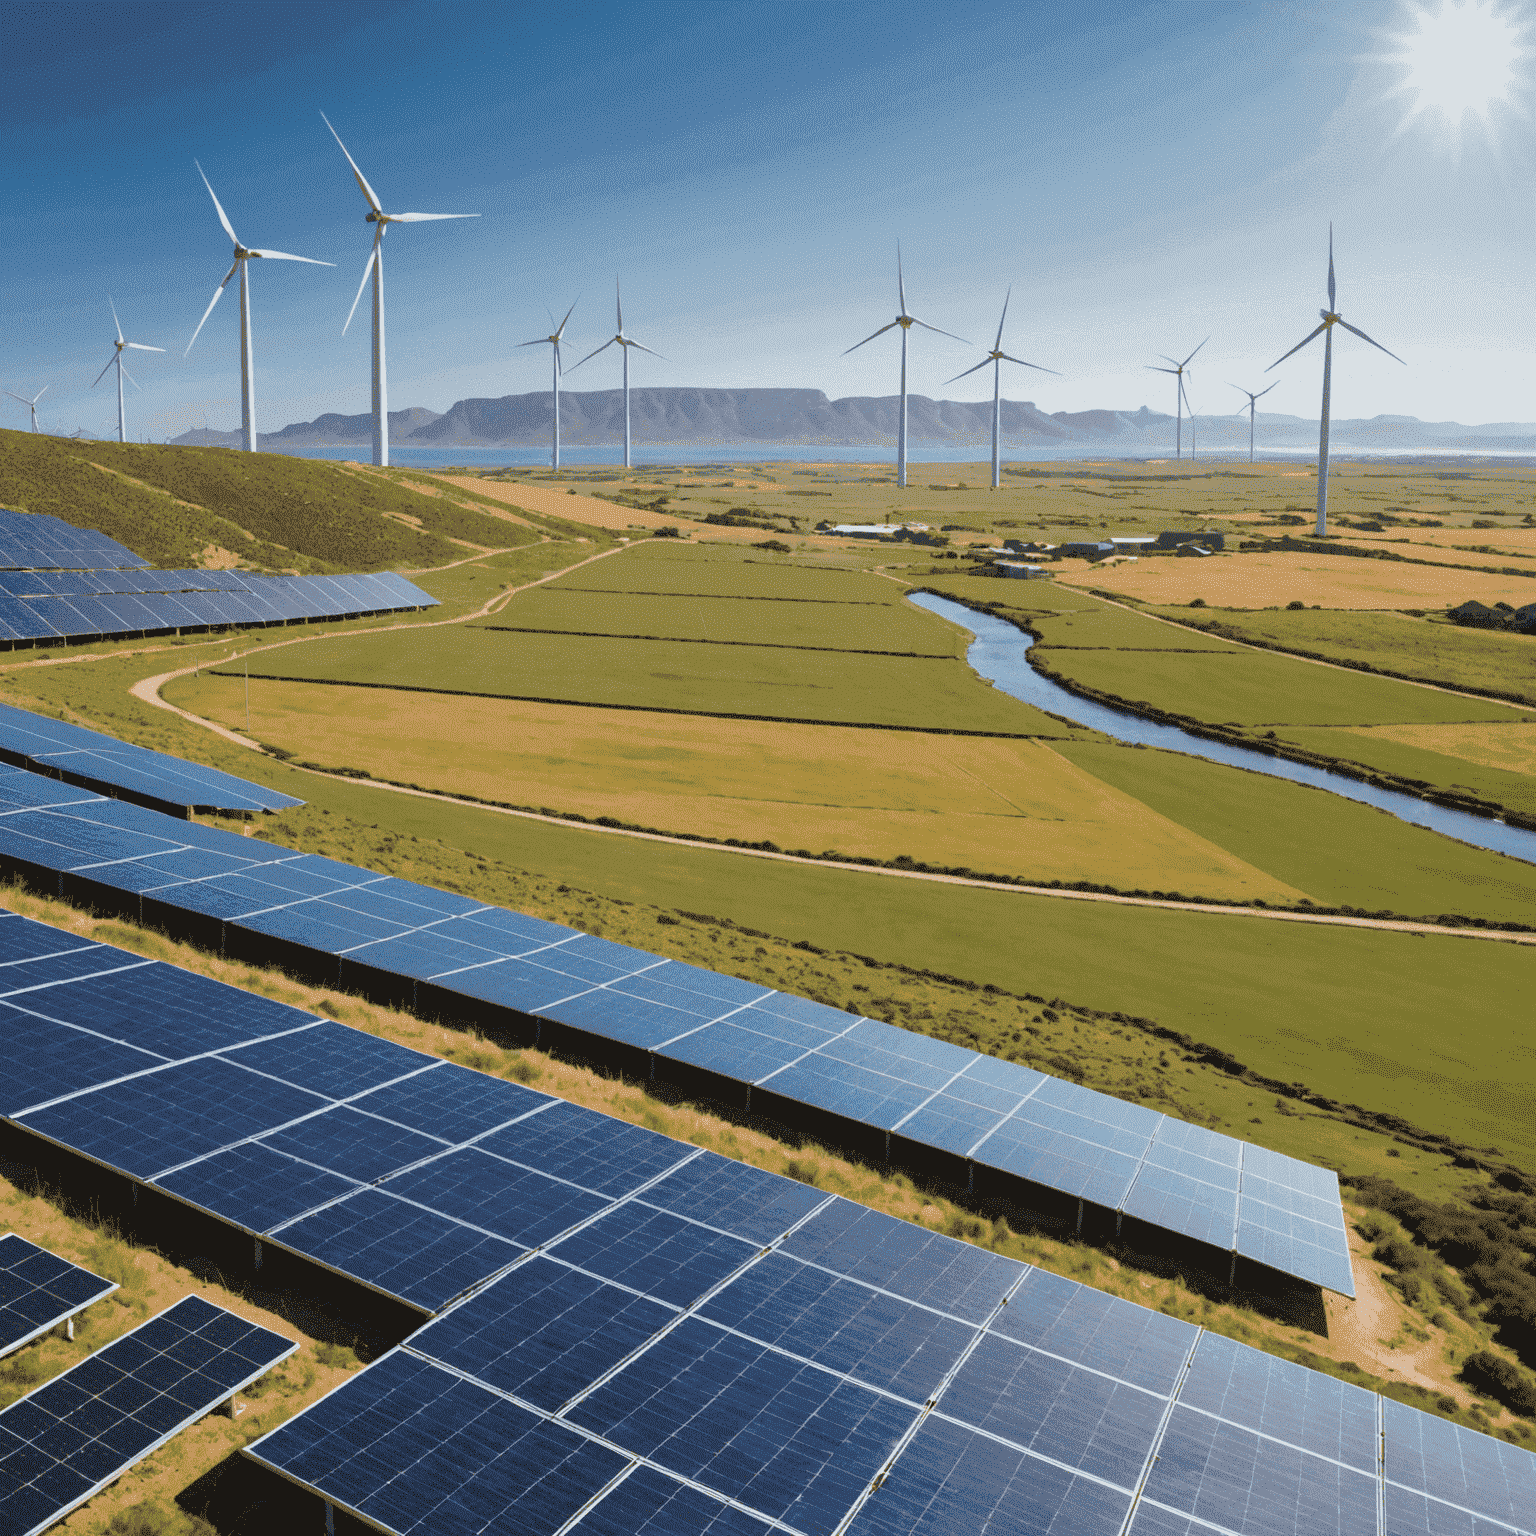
<point x="1015" y="570"/>
<point x="1086" y="549"/>
<point x="1169" y="539"/>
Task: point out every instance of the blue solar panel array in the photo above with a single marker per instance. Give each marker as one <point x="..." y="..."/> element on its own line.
<point x="68" y="1439"/>
<point x="995" y="1124"/>
<point x="89" y="604"/>
<point x="35" y="541"/>
<point x="628" y="1334"/>
<point x="39" y="1290"/>
<point x="94" y="761"/>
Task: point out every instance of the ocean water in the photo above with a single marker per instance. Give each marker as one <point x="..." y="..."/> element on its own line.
<point x="655" y="454"/>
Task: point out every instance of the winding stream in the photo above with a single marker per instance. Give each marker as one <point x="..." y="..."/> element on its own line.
<point x="999" y="654"/>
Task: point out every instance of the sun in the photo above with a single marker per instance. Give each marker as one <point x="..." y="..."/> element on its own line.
<point x="1461" y="61"/>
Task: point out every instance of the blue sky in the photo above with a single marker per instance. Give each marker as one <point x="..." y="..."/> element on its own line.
<point x="1142" y="173"/>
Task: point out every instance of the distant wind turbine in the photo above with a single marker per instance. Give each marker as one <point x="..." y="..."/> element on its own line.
<point x="1331" y="318"/>
<point x="1181" y="401"/>
<point x="122" y="373"/>
<point x="377" y="217"/>
<point x="906" y="322"/>
<point x="553" y="340"/>
<point x="997" y="357"/>
<point x="1253" y="400"/>
<point x="624" y="343"/>
<point x="247" y="369"/>
<point x="32" y="403"/>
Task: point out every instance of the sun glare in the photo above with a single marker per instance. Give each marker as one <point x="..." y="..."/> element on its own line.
<point x="1460" y="60"/>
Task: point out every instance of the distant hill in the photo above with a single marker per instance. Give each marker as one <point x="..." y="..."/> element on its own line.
<point x="184" y="507"/>
<point x="806" y="416"/>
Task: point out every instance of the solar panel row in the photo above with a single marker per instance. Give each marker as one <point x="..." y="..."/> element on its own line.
<point x="29" y="540"/>
<point x="68" y="1439"/>
<point x="626" y="1333"/>
<point x="39" y="1290"/>
<point x="999" y="1126"/>
<point x="253" y="600"/>
<point x="99" y="762"/>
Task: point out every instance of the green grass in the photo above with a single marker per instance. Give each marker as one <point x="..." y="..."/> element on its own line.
<point x="1248" y="688"/>
<point x="1481" y="660"/>
<point x="270" y="509"/>
<point x="670" y="567"/>
<point x="1011" y="597"/>
<point x="1109" y="628"/>
<point x="900" y="629"/>
<point x="1341" y="853"/>
<point x="656" y="674"/>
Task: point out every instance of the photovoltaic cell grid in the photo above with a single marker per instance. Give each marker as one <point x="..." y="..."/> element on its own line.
<point x="34" y="540"/>
<point x="637" y="1335"/>
<point x="72" y="1436"/>
<point x="995" y="1116"/>
<point x="101" y="762"/>
<point x="39" y="1290"/>
<point x="45" y="605"/>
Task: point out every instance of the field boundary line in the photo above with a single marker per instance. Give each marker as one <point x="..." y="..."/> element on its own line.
<point x="1390" y="925"/>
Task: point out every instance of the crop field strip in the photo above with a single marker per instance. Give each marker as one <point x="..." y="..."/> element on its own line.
<point x="76" y="755"/>
<point x="993" y="1126"/>
<point x="622" y="1329"/>
<point x="39" y="1291"/>
<point x="66" y="1440"/>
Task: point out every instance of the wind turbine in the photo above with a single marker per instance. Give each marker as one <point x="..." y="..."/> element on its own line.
<point x="1331" y="318"/>
<point x="1181" y="401"/>
<point x="624" y="343"/>
<point x="906" y="322"/>
<point x="1253" y="400"/>
<point x="997" y="357"/>
<point x="553" y="340"/>
<point x="247" y="371"/>
<point x="381" y="220"/>
<point x="122" y="373"/>
<point x="32" y="403"/>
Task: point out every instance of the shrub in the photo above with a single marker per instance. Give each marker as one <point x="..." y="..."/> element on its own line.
<point x="1496" y="1377"/>
<point x="1197" y="602"/>
<point x="154" y="1517"/>
<point x="1290" y="606"/>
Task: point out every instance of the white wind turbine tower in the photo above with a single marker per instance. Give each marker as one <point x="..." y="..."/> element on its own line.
<point x="32" y="403"/>
<point x="122" y="373"/>
<point x="553" y="340"/>
<point x="1253" y="400"/>
<point x="377" y="217"/>
<point x="1331" y="318"/>
<point x="1181" y="401"/>
<point x="906" y="322"/>
<point x="247" y="368"/>
<point x="624" y="343"/>
<point x="997" y="357"/>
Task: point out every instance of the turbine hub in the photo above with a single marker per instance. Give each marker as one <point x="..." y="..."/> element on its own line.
<point x="1329" y="316"/>
<point x="375" y="218"/>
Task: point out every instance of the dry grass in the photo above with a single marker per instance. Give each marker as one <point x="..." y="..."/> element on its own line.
<point x="993" y="805"/>
<point x="1273" y="580"/>
<point x="1511" y="747"/>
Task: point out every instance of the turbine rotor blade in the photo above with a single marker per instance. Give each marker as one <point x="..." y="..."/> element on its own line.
<point x="881" y="332"/>
<point x="1300" y="344"/>
<point x="590" y="355"/>
<point x="284" y="256"/>
<point x="1156" y="369"/>
<point x="901" y="282"/>
<point x="560" y="329"/>
<point x="938" y="332"/>
<point x="130" y="378"/>
<point x="997" y="345"/>
<point x="138" y="346"/>
<point x="1330" y="270"/>
<point x="538" y="341"/>
<point x="636" y="345"/>
<point x="1264" y="392"/>
<point x="982" y="364"/>
<point x="218" y="293"/>
<point x="229" y="229"/>
<point x="115" y="321"/>
<point x="373" y="256"/>
<point x="421" y="218"/>
<point x="1355" y="331"/>
<point x="618" y="305"/>
<point x="100" y="376"/>
<point x="14" y="396"/>
<point x="1040" y="367"/>
<point x="1185" y="363"/>
<point x="362" y="180"/>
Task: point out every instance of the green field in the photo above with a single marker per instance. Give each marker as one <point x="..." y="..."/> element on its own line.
<point x="1107" y="627"/>
<point x="683" y="570"/>
<point x="894" y="627"/>
<point x="1249" y="688"/>
<point x="1478" y="659"/>
<point x="758" y="682"/>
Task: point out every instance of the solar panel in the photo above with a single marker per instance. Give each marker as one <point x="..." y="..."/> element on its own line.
<point x="68" y="1439"/>
<point x="39" y="1290"/>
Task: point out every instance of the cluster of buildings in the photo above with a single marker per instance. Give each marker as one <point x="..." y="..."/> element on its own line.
<point x="1189" y="545"/>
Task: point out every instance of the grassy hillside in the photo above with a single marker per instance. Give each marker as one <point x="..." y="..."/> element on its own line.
<point x="273" y="512"/>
